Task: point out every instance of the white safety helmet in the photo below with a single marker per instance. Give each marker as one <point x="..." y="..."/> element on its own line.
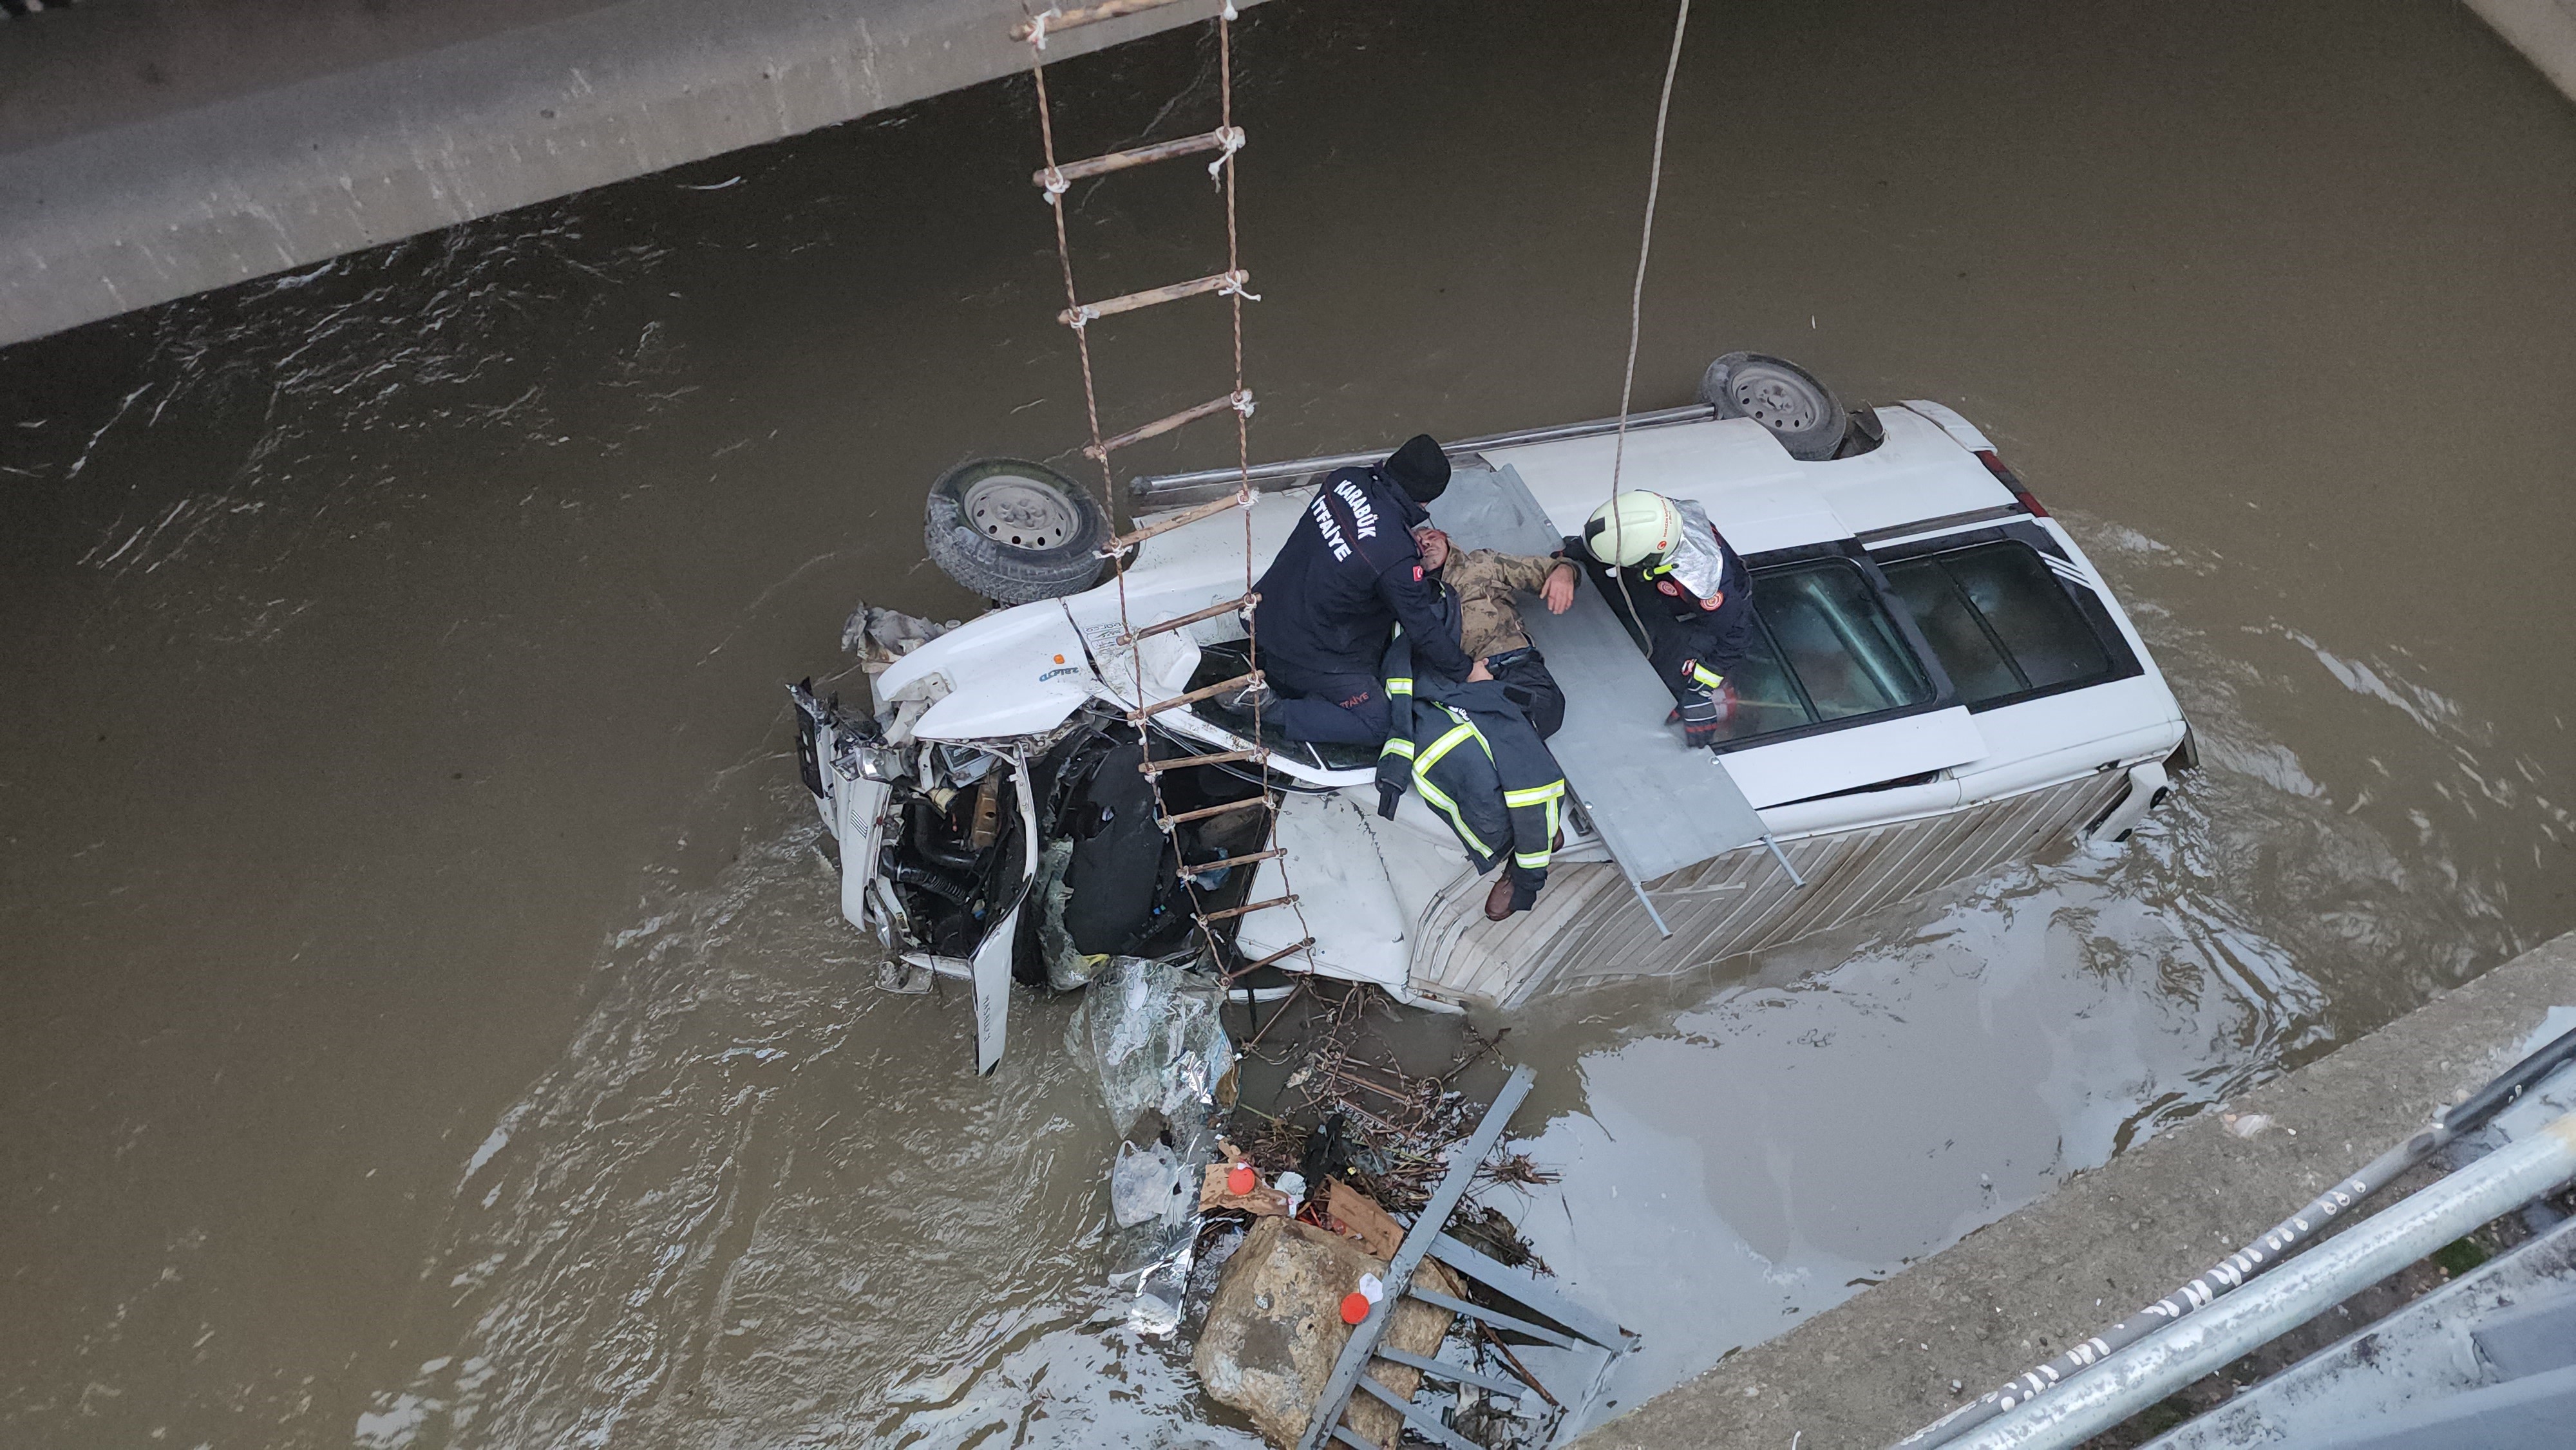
<point x="1633" y="528"/>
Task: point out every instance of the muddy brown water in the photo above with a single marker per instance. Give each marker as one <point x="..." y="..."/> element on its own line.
<point x="427" y="1019"/>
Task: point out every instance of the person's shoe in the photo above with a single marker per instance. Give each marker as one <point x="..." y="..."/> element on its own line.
<point x="1249" y="698"/>
<point x="1498" y="902"/>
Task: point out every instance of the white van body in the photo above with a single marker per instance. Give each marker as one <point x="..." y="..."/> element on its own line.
<point x="1862" y="812"/>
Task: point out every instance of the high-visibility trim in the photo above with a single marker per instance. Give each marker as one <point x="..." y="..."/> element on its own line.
<point x="1449" y="808"/>
<point x="1454" y="713"/>
<point x="1706" y="676"/>
<point x="1531" y="860"/>
<point x="1400" y="685"/>
<point x="1534" y="794"/>
<point x="1397" y="745"/>
<point x="1463" y="730"/>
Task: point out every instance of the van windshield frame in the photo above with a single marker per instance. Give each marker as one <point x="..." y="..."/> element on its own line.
<point x="1884" y="669"/>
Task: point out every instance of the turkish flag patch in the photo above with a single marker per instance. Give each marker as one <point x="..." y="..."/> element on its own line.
<point x="1417" y="573"/>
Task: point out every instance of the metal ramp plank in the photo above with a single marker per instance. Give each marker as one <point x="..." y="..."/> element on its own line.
<point x="1464" y="1157"/>
<point x="1456" y="1373"/>
<point x="1658" y="804"/>
<point x="1525" y="1287"/>
<point x="1495" y="1317"/>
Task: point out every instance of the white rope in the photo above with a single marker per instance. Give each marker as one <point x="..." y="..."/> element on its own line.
<point x="1229" y="140"/>
<point x="1637" y="293"/>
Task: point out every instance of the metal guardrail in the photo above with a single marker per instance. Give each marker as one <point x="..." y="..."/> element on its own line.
<point x="2287" y="1297"/>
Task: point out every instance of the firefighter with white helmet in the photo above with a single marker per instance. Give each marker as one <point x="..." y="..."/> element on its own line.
<point x="1686" y="587"/>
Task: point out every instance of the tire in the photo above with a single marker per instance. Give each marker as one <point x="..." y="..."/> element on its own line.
<point x="1014" y="531"/>
<point x="1792" y="402"/>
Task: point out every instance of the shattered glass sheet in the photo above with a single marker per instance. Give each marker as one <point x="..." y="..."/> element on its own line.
<point x="1151" y="1031"/>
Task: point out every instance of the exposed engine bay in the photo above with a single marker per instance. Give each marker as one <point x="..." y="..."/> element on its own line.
<point x="950" y="824"/>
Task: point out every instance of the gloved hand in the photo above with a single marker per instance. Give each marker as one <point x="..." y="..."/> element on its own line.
<point x="1704" y="720"/>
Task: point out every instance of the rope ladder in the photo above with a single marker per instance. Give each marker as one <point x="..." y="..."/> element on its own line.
<point x="1054" y="179"/>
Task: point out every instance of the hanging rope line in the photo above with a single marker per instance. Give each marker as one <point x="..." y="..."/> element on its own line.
<point x="1054" y="180"/>
<point x="1637" y="292"/>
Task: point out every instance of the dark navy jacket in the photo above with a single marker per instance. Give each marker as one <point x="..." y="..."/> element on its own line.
<point x="1347" y="576"/>
<point x="1691" y="647"/>
<point x="1474" y="757"/>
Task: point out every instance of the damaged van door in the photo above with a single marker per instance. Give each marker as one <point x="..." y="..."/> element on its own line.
<point x="938" y="844"/>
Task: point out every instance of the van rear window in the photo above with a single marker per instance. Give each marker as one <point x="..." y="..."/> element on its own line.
<point x="1827" y="650"/>
<point x="1999" y="621"/>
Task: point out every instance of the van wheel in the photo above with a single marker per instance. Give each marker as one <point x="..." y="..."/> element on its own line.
<point x="1014" y="531"/>
<point x="1780" y="395"/>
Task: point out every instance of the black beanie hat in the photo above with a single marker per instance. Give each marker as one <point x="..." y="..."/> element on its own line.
<point x="1419" y="468"/>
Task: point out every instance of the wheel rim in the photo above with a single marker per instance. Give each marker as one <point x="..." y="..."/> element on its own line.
<point x="1020" y="513"/>
<point x="1781" y="402"/>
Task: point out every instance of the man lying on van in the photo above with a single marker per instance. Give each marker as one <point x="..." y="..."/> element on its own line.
<point x="1689" y="592"/>
<point x="1473" y="746"/>
<point x="1487" y="585"/>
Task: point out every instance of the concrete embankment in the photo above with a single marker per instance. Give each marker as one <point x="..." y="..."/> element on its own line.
<point x="2543" y="30"/>
<point x="150" y="149"/>
<point x="1870" y="1371"/>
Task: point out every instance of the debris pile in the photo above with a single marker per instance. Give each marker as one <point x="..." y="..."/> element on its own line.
<point x="1297" y="1217"/>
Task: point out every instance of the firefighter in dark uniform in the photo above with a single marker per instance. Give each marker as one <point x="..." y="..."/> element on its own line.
<point x="1689" y="592"/>
<point x="1348" y="574"/>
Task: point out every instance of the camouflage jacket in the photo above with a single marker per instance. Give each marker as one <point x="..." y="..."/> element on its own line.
<point x="1489" y="583"/>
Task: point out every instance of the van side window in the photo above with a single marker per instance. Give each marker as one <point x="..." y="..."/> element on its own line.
<point x="1827" y="650"/>
<point x="1999" y="621"/>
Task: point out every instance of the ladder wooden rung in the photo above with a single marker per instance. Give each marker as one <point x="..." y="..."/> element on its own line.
<point x="1204" y="867"/>
<point x="1281" y="955"/>
<point x="1087" y="15"/>
<point x="1160" y="426"/>
<point x="1223" y="138"/>
<point x="1245" y="910"/>
<point x="1246" y="601"/>
<point x="1203" y="812"/>
<point x="1181" y="520"/>
<point x="1184" y="762"/>
<point x="1139" y="717"/>
<point x="1152" y="296"/>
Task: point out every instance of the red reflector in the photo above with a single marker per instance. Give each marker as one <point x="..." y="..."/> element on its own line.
<point x="2011" y="480"/>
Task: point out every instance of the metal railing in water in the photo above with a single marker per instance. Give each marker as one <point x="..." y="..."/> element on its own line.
<point x="1171" y="489"/>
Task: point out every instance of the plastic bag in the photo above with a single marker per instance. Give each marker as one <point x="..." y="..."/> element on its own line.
<point x="1152" y="1032"/>
<point x="1145" y="1184"/>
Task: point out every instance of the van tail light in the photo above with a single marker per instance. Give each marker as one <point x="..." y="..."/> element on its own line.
<point x="2011" y="480"/>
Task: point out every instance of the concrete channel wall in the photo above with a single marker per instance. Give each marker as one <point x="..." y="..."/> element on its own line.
<point x="150" y="149"/>
<point x="1870" y="1371"/>
<point x="2543" y="30"/>
<point x="154" y="148"/>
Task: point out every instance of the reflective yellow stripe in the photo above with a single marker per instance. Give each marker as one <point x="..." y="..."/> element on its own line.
<point x="1397" y="745"/>
<point x="1706" y="677"/>
<point x="1530" y="860"/>
<point x="1461" y="731"/>
<point x="1534" y="794"/>
<point x="1448" y="807"/>
<point x="1400" y="686"/>
<point x="1460" y="716"/>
